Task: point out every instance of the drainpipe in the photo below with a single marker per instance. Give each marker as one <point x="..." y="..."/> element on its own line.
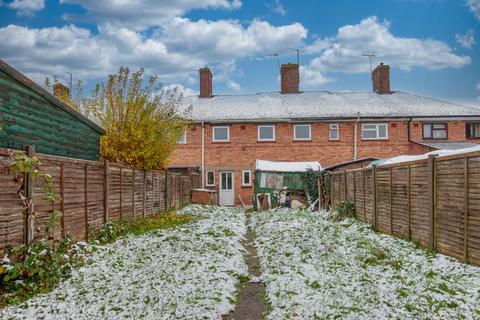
<point x="355" y="129"/>
<point x="203" y="155"/>
<point x="408" y="129"/>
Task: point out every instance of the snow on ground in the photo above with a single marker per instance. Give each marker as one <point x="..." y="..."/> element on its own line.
<point x="317" y="268"/>
<point x="189" y="272"/>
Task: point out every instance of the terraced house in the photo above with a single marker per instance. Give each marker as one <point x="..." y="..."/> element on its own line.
<point x="230" y="132"/>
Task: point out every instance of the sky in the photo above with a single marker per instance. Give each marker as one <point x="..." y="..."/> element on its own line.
<point x="432" y="46"/>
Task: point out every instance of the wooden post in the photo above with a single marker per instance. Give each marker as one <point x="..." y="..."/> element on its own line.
<point x="354" y="191"/>
<point x="345" y="193"/>
<point x="85" y="186"/>
<point x="29" y="183"/>
<point x="133" y="192"/>
<point x="431" y="201"/>
<point x="62" y="195"/>
<point x="144" y="193"/>
<point x="374" y="175"/>
<point x="364" y="197"/>
<point x="107" y="191"/>
<point x="466" y="211"/>
<point x="121" y="191"/>
<point x="391" y="201"/>
<point x="320" y="192"/>
<point x="409" y="204"/>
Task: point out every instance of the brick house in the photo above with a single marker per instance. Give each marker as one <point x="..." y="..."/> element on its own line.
<point x="229" y="133"/>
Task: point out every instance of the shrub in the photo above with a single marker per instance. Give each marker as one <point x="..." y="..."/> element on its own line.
<point x="346" y="210"/>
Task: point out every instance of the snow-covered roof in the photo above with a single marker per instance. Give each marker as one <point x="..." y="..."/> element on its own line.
<point x="439" y="153"/>
<point x="446" y="144"/>
<point x="278" y="166"/>
<point x="321" y="104"/>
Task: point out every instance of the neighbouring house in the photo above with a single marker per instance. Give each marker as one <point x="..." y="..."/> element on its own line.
<point x="31" y="116"/>
<point x="229" y="133"/>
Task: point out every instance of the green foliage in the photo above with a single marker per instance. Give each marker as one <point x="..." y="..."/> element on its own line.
<point x="27" y="271"/>
<point x="310" y="181"/>
<point x="346" y="210"/>
<point x="110" y="231"/>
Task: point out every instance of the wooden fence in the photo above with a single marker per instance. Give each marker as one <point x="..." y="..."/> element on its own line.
<point x="435" y="201"/>
<point x="92" y="193"/>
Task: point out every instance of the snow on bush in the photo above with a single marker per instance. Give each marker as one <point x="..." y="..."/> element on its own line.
<point x="317" y="268"/>
<point x="189" y="272"/>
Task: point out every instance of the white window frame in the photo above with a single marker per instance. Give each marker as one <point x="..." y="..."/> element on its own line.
<point x="183" y="137"/>
<point x="206" y="178"/>
<point x="249" y="184"/>
<point x="334" y="126"/>
<point x="221" y="140"/>
<point x="265" y="126"/>
<point x="295" y="132"/>
<point x="377" y="125"/>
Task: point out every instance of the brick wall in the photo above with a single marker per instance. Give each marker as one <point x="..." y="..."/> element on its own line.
<point x="243" y="149"/>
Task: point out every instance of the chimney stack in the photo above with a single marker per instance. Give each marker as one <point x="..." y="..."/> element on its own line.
<point x="205" y="82"/>
<point x="381" y="79"/>
<point x="60" y="91"/>
<point x="290" y="78"/>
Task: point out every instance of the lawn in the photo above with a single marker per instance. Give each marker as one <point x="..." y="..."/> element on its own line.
<point x="314" y="267"/>
<point x="189" y="272"/>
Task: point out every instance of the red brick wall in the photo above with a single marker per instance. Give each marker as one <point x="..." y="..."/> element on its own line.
<point x="243" y="148"/>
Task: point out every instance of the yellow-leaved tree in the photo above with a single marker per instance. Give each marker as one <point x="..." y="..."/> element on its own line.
<point x="142" y="123"/>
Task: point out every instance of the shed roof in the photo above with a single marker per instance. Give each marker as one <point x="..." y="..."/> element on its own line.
<point x="18" y="76"/>
<point x="279" y="166"/>
<point x="446" y="144"/>
<point x="305" y="105"/>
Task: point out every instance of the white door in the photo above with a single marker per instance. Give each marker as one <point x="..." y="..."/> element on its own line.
<point x="227" y="194"/>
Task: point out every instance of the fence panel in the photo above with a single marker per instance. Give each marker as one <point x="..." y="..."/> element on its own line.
<point x="435" y="202"/>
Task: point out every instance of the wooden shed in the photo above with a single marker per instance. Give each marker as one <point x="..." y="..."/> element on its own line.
<point x="30" y="115"/>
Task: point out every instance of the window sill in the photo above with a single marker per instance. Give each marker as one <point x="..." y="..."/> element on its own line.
<point x="302" y="140"/>
<point x="263" y="141"/>
<point x="246" y="186"/>
<point x="379" y="139"/>
<point x="220" y="141"/>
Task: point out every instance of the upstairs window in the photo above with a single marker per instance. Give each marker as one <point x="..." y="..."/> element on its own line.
<point x="210" y="179"/>
<point x="266" y="133"/>
<point x="473" y="130"/>
<point x="374" y="131"/>
<point x="435" y="131"/>
<point x="334" y="133"/>
<point x="302" y="132"/>
<point x="183" y="138"/>
<point x="246" y="178"/>
<point x="221" y="134"/>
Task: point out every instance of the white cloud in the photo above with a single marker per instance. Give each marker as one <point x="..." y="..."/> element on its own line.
<point x="26" y="7"/>
<point x="343" y="52"/>
<point x="173" y="51"/>
<point x="277" y="7"/>
<point x="312" y="78"/>
<point x="466" y="40"/>
<point x="179" y="88"/>
<point x="474" y="6"/>
<point x="140" y="15"/>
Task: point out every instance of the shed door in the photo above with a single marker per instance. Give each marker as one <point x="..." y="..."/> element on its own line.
<point x="227" y="193"/>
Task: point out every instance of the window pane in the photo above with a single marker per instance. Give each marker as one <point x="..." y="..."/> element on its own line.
<point x="369" y="134"/>
<point x="210" y="177"/>
<point x="224" y="181"/>
<point x="229" y="181"/>
<point x="246" y="177"/>
<point x="302" y="132"/>
<point x="439" y="126"/>
<point x="382" y="130"/>
<point x="476" y="130"/>
<point x="220" y="133"/>
<point x="333" y="134"/>
<point x="369" y="127"/>
<point x="182" y="139"/>
<point x="266" y="133"/>
<point x="439" y="134"/>
<point x="427" y="130"/>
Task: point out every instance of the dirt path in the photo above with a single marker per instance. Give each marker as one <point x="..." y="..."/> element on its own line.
<point x="251" y="306"/>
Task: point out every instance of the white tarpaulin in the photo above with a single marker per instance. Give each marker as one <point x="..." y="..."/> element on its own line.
<point x="275" y="166"/>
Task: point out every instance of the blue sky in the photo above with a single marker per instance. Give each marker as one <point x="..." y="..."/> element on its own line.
<point x="432" y="46"/>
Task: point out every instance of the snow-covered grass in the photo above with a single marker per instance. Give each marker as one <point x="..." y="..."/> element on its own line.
<point x="189" y="272"/>
<point x="317" y="268"/>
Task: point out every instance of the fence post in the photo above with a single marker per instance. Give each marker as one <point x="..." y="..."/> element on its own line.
<point x="107" y="191"/>
<point x="431" y="201"/>
<point x="391" y="201"/>
<point x="320" y="192"/>
<point x="121" y="192"/>
<point x="466" y="212"/>
<point x="354" y="191"/>
<point x="144" y="193"/>
<point x="345" y="193"/>
<point x="29" y="183"/>
<point x="409" y="205"/>
<point x="85" y="186"/>
<point x="62" y="196"/>
<point x="374" y="175"/>
<point x="133" y="192"/>
<point x="364" y="197"/>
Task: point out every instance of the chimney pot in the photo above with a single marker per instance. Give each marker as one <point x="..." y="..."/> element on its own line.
<point x="290" y="78"/>
<point x="205" y="82"/>
<point x="381" y="79"/>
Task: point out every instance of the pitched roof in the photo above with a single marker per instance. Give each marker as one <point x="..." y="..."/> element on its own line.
<point x="321" y="105"/>
<point x="18" y="76"/>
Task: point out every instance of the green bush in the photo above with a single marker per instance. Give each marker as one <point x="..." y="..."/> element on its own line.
<point x="345" y="210"/>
